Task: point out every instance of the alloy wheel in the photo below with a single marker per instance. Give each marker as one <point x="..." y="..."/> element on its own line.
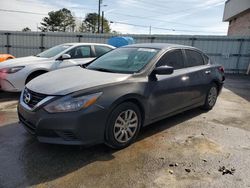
<point x="212" y="96"/>
<point x="126" y="125"/>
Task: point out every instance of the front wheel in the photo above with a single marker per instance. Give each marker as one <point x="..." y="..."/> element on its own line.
<point x="211" y="97"/>
<point x="123" y="125"/>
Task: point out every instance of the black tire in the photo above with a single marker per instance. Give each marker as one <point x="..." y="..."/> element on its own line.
<point x="211" y="97"/>
<point x="33" y="75"/>
<point x="112" y="136"/>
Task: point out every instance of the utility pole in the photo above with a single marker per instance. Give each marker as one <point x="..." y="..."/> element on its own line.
<point x="150" y="29"/>
<point x="99" y="9"/>
<point x="102" y="21"/>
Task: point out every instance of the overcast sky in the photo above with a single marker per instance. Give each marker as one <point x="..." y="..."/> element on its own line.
<point x="195" y="17"/>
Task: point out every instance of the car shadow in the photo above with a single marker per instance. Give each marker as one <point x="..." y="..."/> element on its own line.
<point x="9" y="96"/>
<point x="238" y="84"/>
<point x="32" y="163"/>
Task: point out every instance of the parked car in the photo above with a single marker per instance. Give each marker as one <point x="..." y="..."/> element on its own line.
<point x="117" y="94"/>
<point x="14" y="74"/>
<point x="4" y="57"/>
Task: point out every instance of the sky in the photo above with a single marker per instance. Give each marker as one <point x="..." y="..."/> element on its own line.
<point x="189" y="17"/>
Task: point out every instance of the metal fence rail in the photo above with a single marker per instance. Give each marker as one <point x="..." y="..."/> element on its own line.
<point x="231" y="52"/>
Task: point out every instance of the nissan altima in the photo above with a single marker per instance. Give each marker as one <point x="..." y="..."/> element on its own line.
<point x="112" y="98"/>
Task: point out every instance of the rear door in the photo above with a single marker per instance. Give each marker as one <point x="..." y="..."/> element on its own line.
<point x="168" y="92"/>
<point x="198" y="74"/>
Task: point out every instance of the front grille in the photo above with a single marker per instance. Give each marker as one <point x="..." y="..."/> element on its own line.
<point x="32" y="98"/>
<point x="27" y="125"/>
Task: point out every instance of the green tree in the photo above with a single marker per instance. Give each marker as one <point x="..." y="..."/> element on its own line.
<point x="26" y="29"/>
<point x="90" y="24"/>
<point x="61" y="20"/>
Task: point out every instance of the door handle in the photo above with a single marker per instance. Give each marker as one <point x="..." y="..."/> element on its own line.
<point x="207" y="72"/>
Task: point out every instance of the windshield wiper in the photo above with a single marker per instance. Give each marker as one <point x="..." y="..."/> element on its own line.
<point x="100" y="69"/>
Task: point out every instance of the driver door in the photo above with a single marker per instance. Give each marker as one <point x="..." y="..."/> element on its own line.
<point x="168" y="92"/>
<point x="79" y="55"/>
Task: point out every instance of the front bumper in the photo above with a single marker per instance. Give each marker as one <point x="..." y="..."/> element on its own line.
<point x="6" y="85"/>
<point x="12" y="82"/>
<point x="86" y="127"/>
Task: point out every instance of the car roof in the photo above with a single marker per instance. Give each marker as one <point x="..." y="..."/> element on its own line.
<point x="83" y="43"/>
<point x="159" y="46"/>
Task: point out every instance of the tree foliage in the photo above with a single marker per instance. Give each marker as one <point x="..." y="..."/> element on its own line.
<point x="90" y="24"/>
<point x="61" y="20"/>
<point x="26" y="29"/>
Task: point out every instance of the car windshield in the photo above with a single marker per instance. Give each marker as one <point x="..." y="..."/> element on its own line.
<point x="124" y="60"/>
<point x="52" y="52"/>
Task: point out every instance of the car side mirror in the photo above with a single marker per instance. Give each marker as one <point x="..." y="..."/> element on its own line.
<point x="65" y="56"/>
<point x="163" y="70"/>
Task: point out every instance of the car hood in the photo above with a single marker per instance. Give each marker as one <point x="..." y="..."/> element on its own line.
<point x="68" y="80"/>
<point x="22" y="61"/>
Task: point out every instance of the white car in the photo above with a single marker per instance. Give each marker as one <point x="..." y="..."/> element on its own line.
<point x="14" y="74"/>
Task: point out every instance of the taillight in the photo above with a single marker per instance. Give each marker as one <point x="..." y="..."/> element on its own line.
<point x="221" y="69"/>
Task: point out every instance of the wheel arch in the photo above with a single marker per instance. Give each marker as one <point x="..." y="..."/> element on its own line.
<point x="134" y="98"/>
<point x="35" y="72"/>
<point x="217" y="83"/>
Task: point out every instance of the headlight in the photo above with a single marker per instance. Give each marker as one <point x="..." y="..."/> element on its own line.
<point x="11" y="70"/>
<point x="71" y="104"/>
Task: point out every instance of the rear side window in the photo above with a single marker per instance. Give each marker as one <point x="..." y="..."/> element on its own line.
<point x="194" y="58"/>
<point x="173" y="58"/>
<point x="101" y="50"/>
<point x="206" y="59"/>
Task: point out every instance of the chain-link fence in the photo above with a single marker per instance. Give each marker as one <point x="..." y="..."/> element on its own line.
<point x="231" y="52"/>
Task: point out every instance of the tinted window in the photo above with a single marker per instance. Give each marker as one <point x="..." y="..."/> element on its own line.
<point x="173" y="59"/>
<point x="100" y="50"/>
<point x="53" y="51"/>
<point x="124" y="60"/>
<point x="194" y="58"/>
<point x="80" y="52"/>
<point x="206" y="59"/>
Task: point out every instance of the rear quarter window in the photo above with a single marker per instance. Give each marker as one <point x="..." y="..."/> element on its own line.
<point x="194" y="58"/>
<point x="206" y="59"/>
<point x="101" y="50"/>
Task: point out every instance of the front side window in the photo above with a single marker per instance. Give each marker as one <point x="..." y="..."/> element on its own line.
<point x="124" y="60"/>
<point x="194" y="58"/>
<point x="173" y="58"/>
<point x="80" y="52"/>
<point x="52" y="52"/>
<point x="101" y="50"/>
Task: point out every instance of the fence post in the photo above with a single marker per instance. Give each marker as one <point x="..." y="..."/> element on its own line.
<point x="79" y="37"/>
<point x="42" y="42"/>
<point x="239" y="55"/>
<point x="8" y="46"/>
<point x="193" y="39"/>
<point x="151" y="39"/>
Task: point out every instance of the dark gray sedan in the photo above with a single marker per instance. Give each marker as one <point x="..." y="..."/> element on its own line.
<point x="113" y="97"/>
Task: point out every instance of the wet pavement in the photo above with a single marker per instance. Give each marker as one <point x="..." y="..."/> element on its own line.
<point x="188" y="150"/>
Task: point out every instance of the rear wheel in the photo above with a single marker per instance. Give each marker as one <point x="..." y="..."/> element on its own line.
<point x="123" y="125"/>
<point x="211" y="97"/>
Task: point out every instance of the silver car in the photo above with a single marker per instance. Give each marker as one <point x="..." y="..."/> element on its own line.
<point x="14" y="74"/>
